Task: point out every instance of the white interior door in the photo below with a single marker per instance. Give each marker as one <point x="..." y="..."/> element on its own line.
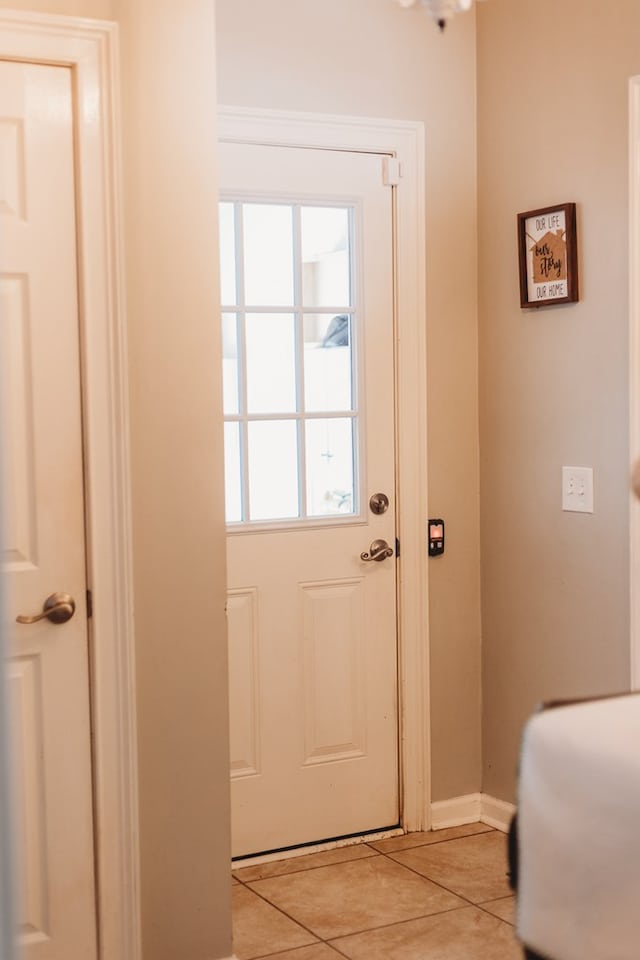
<point x="308" y="346"/>
<point x="43" y="545"/>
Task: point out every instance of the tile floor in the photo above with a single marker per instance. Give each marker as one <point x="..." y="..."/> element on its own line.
<point x="424" y="896"/>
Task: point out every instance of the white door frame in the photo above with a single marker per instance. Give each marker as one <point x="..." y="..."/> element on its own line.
<point x="89" y="48"/>
<point x="403" y="141"/>
<point x="634" y="366"/>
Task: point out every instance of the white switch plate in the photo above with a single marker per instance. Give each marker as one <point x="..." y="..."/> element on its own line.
<point x="577" y="489"/>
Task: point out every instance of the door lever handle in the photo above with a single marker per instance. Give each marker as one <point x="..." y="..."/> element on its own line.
<point x="379" y="550"/>
<point x="58" y="608"/>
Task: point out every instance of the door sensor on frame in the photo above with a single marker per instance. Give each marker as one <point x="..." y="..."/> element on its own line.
<point x="436" y="538"/>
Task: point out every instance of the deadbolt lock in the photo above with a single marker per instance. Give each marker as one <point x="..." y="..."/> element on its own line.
<point x="379" y="503"/>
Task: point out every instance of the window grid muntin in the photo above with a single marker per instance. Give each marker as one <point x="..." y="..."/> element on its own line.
<point x="245" y="506"/>
<point x="299" y="333"/>
<point x="301" y="415"/>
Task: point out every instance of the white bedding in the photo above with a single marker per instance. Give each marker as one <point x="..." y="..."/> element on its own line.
<point x="579" y="831"/>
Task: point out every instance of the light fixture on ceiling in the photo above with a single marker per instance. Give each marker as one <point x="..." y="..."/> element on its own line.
<point x="439" y="10"/>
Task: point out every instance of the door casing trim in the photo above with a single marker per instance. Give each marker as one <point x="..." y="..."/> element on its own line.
<point x="634" y="368"/>
<point x="89" y="48"/>
<point x="404" y="141"/>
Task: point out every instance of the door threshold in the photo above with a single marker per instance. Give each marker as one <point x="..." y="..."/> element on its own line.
<point x="287" y="853"/>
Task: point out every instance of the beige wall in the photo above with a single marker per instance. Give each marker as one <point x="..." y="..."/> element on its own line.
<point x="169" y="104"/>
<point x="552" y="124"/>
<point x="168" y="53"/>
<point x="370" y="58"/>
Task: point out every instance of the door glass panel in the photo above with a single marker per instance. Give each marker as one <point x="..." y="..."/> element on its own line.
<point x="273" y="469"/>
<point x="327" y="362"/>
<point x="329" y="449"/>
<point x="226" y="217"/>
<point x="230" y="370"/>
<point x="271" y="363"/>
<point x="232" y="472"/>
<point x="326" y="280"/>
<point x="289" y="353"/>
<point x="268" y="254"/>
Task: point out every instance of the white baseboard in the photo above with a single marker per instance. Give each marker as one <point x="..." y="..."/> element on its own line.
<point x="472" y="808"/>
<point x="496" y="813"/>
<point x="456" y="811"/>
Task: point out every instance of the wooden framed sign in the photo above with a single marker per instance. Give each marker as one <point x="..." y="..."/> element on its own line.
<point x="548" y="256"/>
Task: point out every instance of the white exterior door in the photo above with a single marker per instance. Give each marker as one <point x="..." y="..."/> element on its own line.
<point x="308" y="346"/>
<point x="43" y="544"/>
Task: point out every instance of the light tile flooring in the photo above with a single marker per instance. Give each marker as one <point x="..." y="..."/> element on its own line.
<point x="434" y="896"/>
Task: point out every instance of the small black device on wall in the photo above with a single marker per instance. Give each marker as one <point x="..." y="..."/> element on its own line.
<point x="436" y="538"/>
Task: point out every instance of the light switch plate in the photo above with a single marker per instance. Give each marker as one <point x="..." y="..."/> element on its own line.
<point x="577" y="489"/>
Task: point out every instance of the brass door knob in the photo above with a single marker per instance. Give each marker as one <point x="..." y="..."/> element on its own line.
<point x="379" y="550"/>
<point x="58" y="608"/>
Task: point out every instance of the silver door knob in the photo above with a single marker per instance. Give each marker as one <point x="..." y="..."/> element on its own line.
<point x="379" y="503"/>
<point x="58" y="608"/>
<point x="379" y="550"/>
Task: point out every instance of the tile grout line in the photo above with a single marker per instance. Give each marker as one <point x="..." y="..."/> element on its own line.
<point x="395" y="923"/>
<point x="460" y="896"/>
<point x="292" y="950"/>
<point x="434" y="843"/>
<point x="466" y="902"/>
<point x="331" y="941"/>
<point x="482" y="906"/>
<point x="371" y="847"/>
<point x="277" y="876"/>
<point x="327" y="940"/>
<point x="315" y="936"/>
<point x="381" y="926"/>
<point x="340" y="953"/>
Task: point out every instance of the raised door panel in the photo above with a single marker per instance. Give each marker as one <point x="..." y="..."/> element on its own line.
<point x="16" y="400"/>
<point x="334" y="684"/>
<point x="244" y="682"/>
<point x="25" y="688"/>
<point x="12" y="169"/>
